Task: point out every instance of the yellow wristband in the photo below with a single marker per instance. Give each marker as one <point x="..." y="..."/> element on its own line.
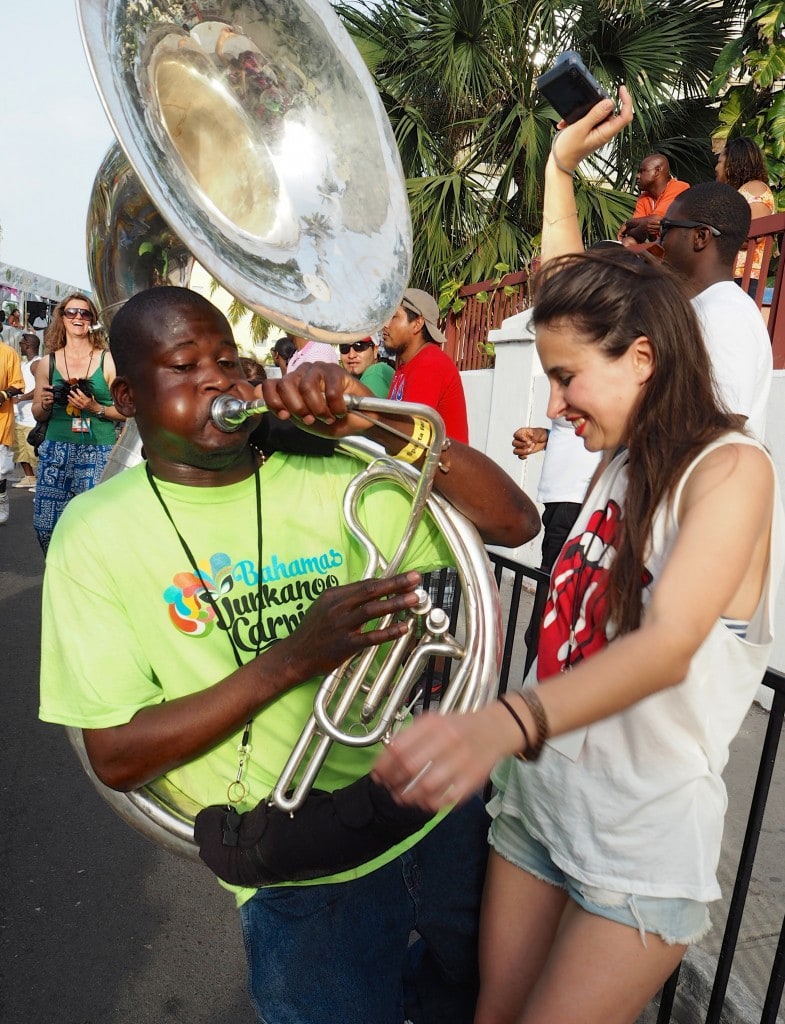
<point x="422" y="435"/>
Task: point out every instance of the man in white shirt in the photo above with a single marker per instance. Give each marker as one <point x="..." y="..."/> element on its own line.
<point x="733" y="328"/>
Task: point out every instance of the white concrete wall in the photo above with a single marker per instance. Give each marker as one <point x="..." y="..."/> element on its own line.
<point x="515" y="394"/>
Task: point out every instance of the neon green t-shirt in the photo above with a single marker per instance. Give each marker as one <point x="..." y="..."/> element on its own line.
<point x="124" y="626"/>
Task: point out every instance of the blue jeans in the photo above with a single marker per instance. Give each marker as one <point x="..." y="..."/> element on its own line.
<point x="340" y="953"/>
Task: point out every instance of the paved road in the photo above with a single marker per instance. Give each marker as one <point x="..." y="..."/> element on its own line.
<point x="98" y="924"/>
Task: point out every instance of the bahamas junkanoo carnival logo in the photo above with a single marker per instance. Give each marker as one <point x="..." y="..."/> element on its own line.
<point x="286" y="590"/>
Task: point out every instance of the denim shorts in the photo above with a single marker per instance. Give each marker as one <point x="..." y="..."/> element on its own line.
<point x="675" y="920"/>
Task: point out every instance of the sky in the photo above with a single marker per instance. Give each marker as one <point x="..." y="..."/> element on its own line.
<point x="54" y="136"/>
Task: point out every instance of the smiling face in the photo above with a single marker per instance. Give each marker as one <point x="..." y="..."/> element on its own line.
<point x="77" y="319"/>
<point x="186" y="358"/>
<point x="595" y="393"/>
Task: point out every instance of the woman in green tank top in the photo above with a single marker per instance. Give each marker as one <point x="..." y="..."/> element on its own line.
<point x="73" y="396"/>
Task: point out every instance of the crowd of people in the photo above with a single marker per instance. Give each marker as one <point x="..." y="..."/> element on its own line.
<point x="591" y="869"/>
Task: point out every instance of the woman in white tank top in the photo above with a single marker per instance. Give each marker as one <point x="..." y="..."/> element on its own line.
<point x="655" y="637"/>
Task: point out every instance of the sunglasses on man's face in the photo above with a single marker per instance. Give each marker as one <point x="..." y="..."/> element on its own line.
<point x="666" y="225"/>
<point x="358" y="346"/>
<point x="73" y="312"/>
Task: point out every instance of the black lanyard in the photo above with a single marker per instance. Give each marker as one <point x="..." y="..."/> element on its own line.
<point x="237" y="789"/>
<point x="198" y="573"/>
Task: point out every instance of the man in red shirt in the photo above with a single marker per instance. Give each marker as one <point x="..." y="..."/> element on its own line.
<point x="423" y="373"/>
<point x="658" y="188"/>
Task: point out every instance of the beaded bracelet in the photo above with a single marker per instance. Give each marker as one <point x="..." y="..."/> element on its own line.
<point x="534" y="704"/>
<point x="422" y="435"/>
<point x="521" y="726"/>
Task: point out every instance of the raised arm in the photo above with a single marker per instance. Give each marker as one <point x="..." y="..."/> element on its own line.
<point x="473" y="483"/>
<point x="561" y="232"/>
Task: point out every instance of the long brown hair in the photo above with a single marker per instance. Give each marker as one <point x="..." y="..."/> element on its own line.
<point x="611" y="298"/>
<point x="744" y="161"/>
<point x="55" y="337"/>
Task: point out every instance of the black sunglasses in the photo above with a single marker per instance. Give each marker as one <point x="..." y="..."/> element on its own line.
<point x="358" y="346"/>
<point x="73" y="312"/>
<point x="666" y="225"/>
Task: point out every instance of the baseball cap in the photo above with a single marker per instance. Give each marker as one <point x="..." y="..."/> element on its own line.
<point x="424" y="305"/>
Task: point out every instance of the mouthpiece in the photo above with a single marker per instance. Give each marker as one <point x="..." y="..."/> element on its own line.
<point x="229" y="414"/>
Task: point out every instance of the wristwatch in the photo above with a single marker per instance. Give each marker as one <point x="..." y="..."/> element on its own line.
<point x="101" y="414"/>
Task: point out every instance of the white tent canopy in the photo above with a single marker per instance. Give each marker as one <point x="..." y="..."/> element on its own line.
<point x="34" y="285"/>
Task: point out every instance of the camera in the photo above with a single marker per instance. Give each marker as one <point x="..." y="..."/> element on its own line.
<point x="61" y="391"/>
<point x="570" y="88"/>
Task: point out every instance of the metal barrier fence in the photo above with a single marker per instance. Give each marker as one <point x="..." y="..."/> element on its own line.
<point x="776" y="681"/>
<point x="516" y="654"/>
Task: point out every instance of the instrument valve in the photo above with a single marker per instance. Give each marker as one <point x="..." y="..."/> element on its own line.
<point x="437" y="622"/>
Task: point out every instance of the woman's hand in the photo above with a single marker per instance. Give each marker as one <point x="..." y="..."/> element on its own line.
<point x="442" y="760"/>
<point x="43" y="397"/>
<point x="79" y="400"/>
<point x="592" y="132"/>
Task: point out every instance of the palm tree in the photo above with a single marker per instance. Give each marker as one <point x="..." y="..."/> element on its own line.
<point x="458" y="80"/>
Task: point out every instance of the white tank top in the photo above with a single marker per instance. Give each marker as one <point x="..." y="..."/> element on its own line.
<point x="635" y="803"/>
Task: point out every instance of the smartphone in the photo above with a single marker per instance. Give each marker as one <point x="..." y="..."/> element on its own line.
<point x="570" y="88"/>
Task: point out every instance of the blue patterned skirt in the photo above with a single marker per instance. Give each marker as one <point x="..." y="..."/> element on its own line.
<point x="65" y="469"/>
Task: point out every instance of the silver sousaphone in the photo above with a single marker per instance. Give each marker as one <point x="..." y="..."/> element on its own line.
<point x="254" y="142"/>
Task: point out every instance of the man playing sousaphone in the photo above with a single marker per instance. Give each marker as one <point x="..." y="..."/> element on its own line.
<point x="218" y="592"/>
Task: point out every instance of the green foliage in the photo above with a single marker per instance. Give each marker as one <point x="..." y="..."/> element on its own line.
<point x="449" y="300"/>
<point x="749" y="76"/>
<point x="258" y="328"/>
<point x="457" y="78"/>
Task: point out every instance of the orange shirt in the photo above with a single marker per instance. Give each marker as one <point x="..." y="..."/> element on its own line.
<point x="10" y="377"/>
<point x="767" y="198"/>
<point x="647" y="206"/>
